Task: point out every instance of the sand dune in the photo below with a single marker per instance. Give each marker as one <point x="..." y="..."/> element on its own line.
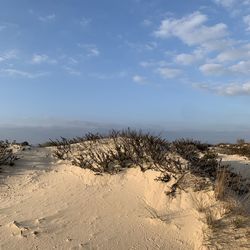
<point x="49" y="204"/>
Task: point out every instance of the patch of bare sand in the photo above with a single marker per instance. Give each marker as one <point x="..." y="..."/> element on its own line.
<point x="53" y="205"/>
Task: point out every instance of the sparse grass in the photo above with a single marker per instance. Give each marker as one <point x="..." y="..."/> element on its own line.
<point x="210" y="218"/>
<point x="200" y="203"/>
<point x="233" y="226"/>
<point x="239" y="222"/>
<point x="221" y="183"/>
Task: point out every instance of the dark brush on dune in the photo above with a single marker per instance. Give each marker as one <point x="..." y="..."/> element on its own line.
<point x="128" y="148"/>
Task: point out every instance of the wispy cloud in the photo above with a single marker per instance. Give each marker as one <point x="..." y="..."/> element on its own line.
<point x="234" y="7"/>
<point x="72" y="61"/>
<point x="109" y="76"/>
<point x="90" y="49"/>
<point x="169" y="72"/>
<point x="47" y="18"/>
<point x="139" y="79"/>
<point x="20" y="73"/>
<point x="152" y="63"/>
<point x="7" y="55"/>
<point x="72" y="71"/>
<point x="226" y="3"/>
<point x="233" y="89"/>
<point x="147" y="23"/>
<point x="42" y="58"/>
<point x="84" y="22"/>
<point x="142" y="47"/>
<point x="232" y="3"/>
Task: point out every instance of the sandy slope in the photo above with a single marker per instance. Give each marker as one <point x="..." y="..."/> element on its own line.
<point x="239" y="164"/>
<point x="50" y="205"/>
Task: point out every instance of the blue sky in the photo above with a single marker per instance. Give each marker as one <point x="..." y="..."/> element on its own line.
<point x="171" y="64"/>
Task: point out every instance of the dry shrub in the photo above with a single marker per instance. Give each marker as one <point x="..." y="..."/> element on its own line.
<point x="63" y="148"/>
<point x="125" y="149"/>
<point x="7" y="156"/>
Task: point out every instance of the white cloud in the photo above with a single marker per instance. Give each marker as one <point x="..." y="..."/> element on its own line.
<point x="39" y="58"/>
<point x="10" y="54"/>
<point x="212" y="69"/>
<point x="187" y="59"/>
<point x="218" y="45"/>
<point x="234" y="89"/>
<point x="169" y="72"/>
<point x="191" y="29"/>
<point x="246" y="20"/>
<point x="242" y="67"/>
<point x="234" y="54"/>
<point x="47" y="18"/>
<point x="20" y="73"/>
<point x="139" y="79"/>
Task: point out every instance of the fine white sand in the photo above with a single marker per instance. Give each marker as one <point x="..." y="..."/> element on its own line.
<point x="50" y="204"/>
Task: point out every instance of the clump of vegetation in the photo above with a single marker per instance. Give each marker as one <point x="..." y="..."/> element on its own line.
<point x="240" y="148"/>
<point x="125" y="149"/>
<point x="201" y="160"/>
<point x="185" y="145"/>
<point x="7" y="156"/>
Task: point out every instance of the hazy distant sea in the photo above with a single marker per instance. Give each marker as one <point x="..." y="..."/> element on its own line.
<point x="37" y="135"/>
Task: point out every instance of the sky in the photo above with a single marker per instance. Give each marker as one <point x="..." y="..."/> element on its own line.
<point x="166" y="64"/>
